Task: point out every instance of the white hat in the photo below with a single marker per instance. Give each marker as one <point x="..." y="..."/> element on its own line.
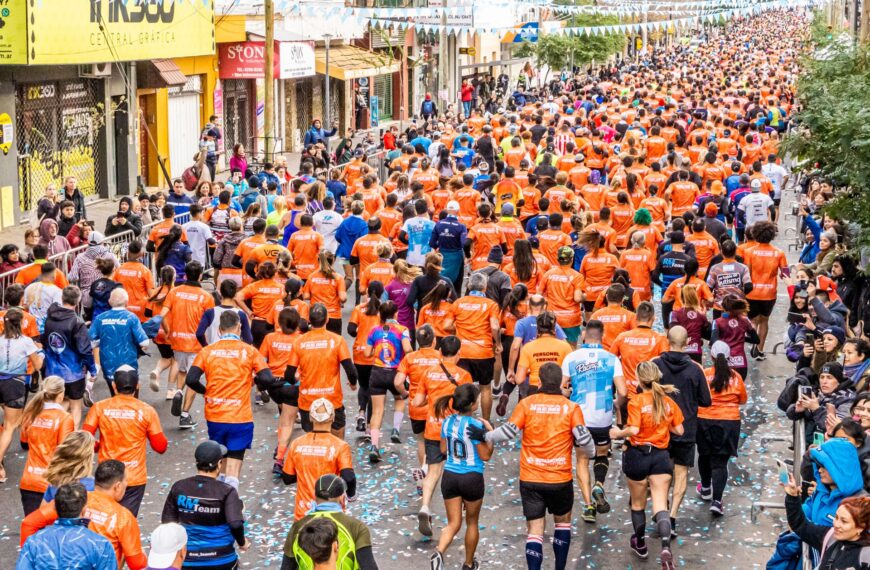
<point x="755" y="185"/>
<point x="322" y="410"/>
<point x="720" y="347"/>
<point x="452" y="206"/>
<point x="96" y="238"/>
<point x="166" y="540"/>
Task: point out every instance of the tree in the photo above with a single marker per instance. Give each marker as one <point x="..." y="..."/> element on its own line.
<point x="833" y="127"/>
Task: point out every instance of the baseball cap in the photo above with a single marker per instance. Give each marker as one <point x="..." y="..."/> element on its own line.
<point x="329" y="486"/>
<point x="565" y="254"/>
<point x="711" y="209"/>
<point x="96" y="238"/>
<point x="452" y="206"/>
<point x="209" y="452"/>
<point x="125" y="377"/>
<point x="507" y="209"/>
<point x="720" y="347"/>
<point x="358" y="152"/>
<point x="483" y="166"/>
<point x="322" y="410"/>
<point x="166" y="540"/>
<point x="755" y="185"/>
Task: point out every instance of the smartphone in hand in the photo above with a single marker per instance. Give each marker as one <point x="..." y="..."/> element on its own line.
<point x="783" y="472"/>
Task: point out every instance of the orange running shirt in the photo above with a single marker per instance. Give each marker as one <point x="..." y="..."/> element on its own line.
<point x="304" y="246"/>
<point x="472" y="318"/>
<point x="268" y="251"/>
<point x="318" y="355"/>
<point x="263" y="294"/>
<point x="597" y="271"/>
<point x="726" y="404"/>
<point x="635" y="346"/>
<point x="414" y="366"/>
<point x="186" y="305"/>
<point x="436" y="318"/>
<point x="641" y="415"/>
<point x="125" y="423"/>
<point x="616" y="320"/>
<point x="364" y="325"/>
<point x="541" y="351"/>
<point x="485" y="236"/>
<point x="560" y="285"/>
<point x="113" y="521"/>
<point x="309" y="458"/>
<point x="765" y="262"/>
<point x="436" y="385"/>
<point x="43" y="436"/>
<point x="546" y="421"/>
<point x="640" y="264"/>
<point x="550" y="241"/>
<point x="366" y="249"/>
<point x="137" y="281"/>
<point x="322" y="289"/>
<point x="673" y="292"/>
<point x="229" y="365"/>
<point x="276" y="349"/>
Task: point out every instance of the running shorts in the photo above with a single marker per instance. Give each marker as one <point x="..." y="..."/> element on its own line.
<point x="184" y="360"/>
<point x="74" y="390"/>
<point x="13" y="393"/>
<point x="601" y="436"/>
<point x="480" y="369"/>
<point x="382" y="381"/>
<point x="467" y="486"/>
<point x="760" y="308"/>
<point x="433" y="452"/>
<point x="235" y="437"/>
<point x="682" y="453"/>
<point x="165" y="351"/>
<point x="418" y="426"/>
<point x="572" y="334"/>
<point x="541" y="498"/>
<point x="638" y="463"/>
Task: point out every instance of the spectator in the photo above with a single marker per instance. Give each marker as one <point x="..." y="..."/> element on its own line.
<point x="316" y="134"/>
<point x="823" y="410"/>
<point x="47" y="206"/>
<point x="50" y="237"/>
<point x="178" y="198"/>
<point x="31" y="239"/>
<point x="68" y="543"/>
<point x="125" y="219"/>
<point x="856" y="363"/>
<point x="10" y="258"/>
<point x="72" y="193"/>
<point x="239" y="161"/>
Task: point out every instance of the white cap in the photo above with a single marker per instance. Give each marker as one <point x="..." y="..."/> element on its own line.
<point x="755" y="185"/>
<point x="452" y="206"/>
<point x="96" y="238"/>
<point x="166" y="540"/>
<point x="322" y="410"/>
<point x="720" y="347"/>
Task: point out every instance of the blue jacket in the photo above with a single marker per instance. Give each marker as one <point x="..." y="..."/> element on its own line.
<point x="119" y="334"/>
<point x="266" y="178"/>
<point x="840" y="458"/>
<point x="811" y="250"/>
<point x="350" y="230"/>
<point x="181" y="203"/>
<point x="68" y="544"/>
<point x="68" y="351"/>
<point x="449" y="235"/>
<point x="313" y="135"/>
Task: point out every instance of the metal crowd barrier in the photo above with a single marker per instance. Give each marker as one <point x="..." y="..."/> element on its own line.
<point x="376" y="161"/>
<point x="798" y="450"/>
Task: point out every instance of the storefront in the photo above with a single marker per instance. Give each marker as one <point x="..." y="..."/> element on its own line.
<point x="68" y="91"/>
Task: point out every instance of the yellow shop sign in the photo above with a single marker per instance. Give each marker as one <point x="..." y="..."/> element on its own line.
<point x="96" y="31"/>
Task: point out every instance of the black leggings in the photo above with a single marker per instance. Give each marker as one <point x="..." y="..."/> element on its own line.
<point x="363" y="396"/>
<point x="714" y="469"/>
<point x="30" y="501"/>
<point x="259" y="330"/>
<point x="334" y="326"/>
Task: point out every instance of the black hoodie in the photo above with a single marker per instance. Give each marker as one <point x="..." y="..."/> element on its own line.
<point x="687" y="375"/>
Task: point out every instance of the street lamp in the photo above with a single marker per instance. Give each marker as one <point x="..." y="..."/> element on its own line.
<point x="326" y="121"/>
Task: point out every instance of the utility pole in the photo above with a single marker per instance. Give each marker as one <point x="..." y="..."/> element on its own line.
<point x="442" y="58"/>
<point x="326" y="121"/>
<point x="269" y="74"/>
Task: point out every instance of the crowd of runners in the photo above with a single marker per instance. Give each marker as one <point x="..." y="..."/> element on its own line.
<point x="588" y="269"/>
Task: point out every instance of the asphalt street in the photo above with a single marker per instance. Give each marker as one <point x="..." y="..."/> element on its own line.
<point x="388" y="500"/>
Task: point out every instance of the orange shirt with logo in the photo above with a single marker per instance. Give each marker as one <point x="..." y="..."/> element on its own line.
<point x="672" y="293"/>
<point x="276" y="349"/>
<point x="641" y="415"/>
<point x="138" y="281"/>
<point x="43" y="436"/>
<point x="268" y="251"/>
<point x="161" y="230"/>
<point x="765" y="263"/>
<point x="683" y="195"/>
<point x="725" y="404"/>
<point x="309" y="458"/>
<point x="706" y="248"/>
<point x="540" y="351"/>
<point x="550" y="241"/>
<point x="559" y="288"/>
<point x="229" y="365"/>
<point x="597" y="271"/>
<point x="485" y="236"/>
<point x="616" y="320"/>
<point x="546" y="421"/>
<point x="364" y="325"/>
<point x="436" y="385"/>
<point x="318" y="355"/>
<point x="635" y="346"/>
<point x="186" y="305"/>
<point x="436" y="317"/>
<point x="322" y="289"/>
<point x="305" y="246"/>
<point x="473" y="315"/>
<point x="414" y="366"/>
<point x="113" y="521"/>
<point x="263" y="294"/>
<point x="366" y="249"/>
<point x="125" y="423"/>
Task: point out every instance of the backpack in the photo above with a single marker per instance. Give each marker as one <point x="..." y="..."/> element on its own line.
<point x="346" y="559"/>
<point x="249" y="197"/>
<point x="190" y="178"/>
<point x="428" y="107"/>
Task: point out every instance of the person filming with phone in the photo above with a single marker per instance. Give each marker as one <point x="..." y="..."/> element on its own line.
<point x="823" y="408"/>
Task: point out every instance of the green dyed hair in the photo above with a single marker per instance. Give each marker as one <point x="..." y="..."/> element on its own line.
<point x="642" y="217"/>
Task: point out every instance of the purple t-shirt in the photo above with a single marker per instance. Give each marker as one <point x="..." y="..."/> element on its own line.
<point x="694" y="323"/>
<point x="398" y="292"/>
<point x="733" y="332"/>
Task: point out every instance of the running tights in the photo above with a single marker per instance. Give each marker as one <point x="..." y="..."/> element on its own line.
<point x="363" y="397"/>
<point x="714" y="470"/>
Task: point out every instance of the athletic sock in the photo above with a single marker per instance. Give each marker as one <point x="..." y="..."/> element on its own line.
<point x="376" y="437"/>
<point x="663" y="524"/>
<point x="638" y="522"/>
<point x="508" y="388"/>
<point x="534" y="551"/>
<point x="600" y="467"/>
<point x="397" y="419"/>
<point x="232" y="482"/>
<point x="561" y="544"/>
<point x="185" y="414"/>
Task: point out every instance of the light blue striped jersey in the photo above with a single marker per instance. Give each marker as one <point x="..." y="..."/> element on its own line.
<point x="462" y="456"/>
<point x="591" y="370"/>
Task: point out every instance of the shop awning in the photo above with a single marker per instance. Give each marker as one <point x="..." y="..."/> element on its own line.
<point x="351" y="62"/>
<point x="157" y="73"/>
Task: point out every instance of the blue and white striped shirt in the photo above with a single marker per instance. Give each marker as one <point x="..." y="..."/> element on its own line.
<point x="462" y="456"/>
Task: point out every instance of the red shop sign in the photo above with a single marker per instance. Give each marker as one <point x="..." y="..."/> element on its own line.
<point x="245" y="60"/>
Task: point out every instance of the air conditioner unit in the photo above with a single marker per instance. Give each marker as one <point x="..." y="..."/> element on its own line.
<point x="96" y="70"/>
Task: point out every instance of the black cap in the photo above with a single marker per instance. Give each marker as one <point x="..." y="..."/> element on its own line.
<point x="835" y="369"/>
<point x="209" y="452"/>
<point x="126" y="378"/>
<point x="496" y="255"/>
<point x="329" y="486"/>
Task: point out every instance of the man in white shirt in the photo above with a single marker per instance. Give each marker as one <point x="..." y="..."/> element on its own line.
<point x="199" y="236"/>
<point x="326" y="223"/>
<point x="435" y="147"/>
<point x="777" y="175"/>
<point x="757" y="207"/>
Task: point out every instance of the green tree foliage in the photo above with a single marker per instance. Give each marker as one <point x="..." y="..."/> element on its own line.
<point x="834" y="127"/>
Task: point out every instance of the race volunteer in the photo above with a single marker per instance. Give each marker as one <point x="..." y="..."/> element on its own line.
<point x="230" y="367"/>
<point x="593" y="374"/>
<point x="210" y="511"/>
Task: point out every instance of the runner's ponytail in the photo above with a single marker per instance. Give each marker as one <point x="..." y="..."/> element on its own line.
<point x="52" y="387"/>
